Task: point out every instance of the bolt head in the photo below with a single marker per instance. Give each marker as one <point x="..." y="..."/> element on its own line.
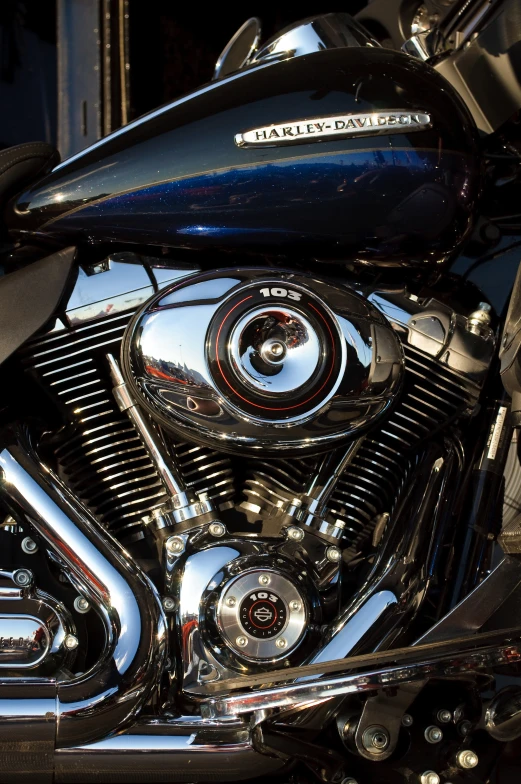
<point x="175" y="545"/>
<point x="71" y="642"/>
<point x="281" y="643"/>
<point x="81" y="604"/>
<point x="433" y="734"/>
<point x="231" y="601"/>
<point x="29" y="546"/>
<point x="295" y="606"/>
<point x="407" y="720"/>
<point x="333" y="554"/>
<point x="216" y="529"/>
<point x="264" y="579"/>
<point x="23" y="577"/>
<point x="375" y="739"/>
<point x="241" y="642"/>
<point x="168" y="603"/>
<point x="349" y="780"/>
<point x="295" y="534"/>
<point x="429" y="777"/>
<point x="467" y="759"/>
<point x="444" y="716"/>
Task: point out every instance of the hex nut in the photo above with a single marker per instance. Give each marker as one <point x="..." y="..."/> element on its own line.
<point x="467" y="759"/>
<point x="81" y="604"/>
<point x="175" y="545"/>
<point x="375" y="739"/>
<point x="295" y="534"/>
<point x="433" y="734"/>
<point x="29" y="546"/>
<point x="71" y="642"/>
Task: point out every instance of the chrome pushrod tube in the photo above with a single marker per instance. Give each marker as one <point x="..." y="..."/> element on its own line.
<point x="127" y="674"/>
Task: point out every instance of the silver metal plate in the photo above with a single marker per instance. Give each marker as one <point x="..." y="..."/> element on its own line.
<point x="24" y="641"/>
<point x="317" y="128"/>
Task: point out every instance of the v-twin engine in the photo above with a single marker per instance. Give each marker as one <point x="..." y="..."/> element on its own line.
<point x="234" y="466"/>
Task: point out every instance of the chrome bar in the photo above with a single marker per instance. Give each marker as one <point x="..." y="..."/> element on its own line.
<point x="99" y="701"/>
<point x="298" y="694"/>
<point x="169" y="751"/>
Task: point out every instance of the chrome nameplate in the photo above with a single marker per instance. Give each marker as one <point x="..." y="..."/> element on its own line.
<point x="341" y="125"/>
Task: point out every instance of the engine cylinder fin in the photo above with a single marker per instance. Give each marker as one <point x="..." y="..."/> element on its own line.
<point x="101" y="456"/>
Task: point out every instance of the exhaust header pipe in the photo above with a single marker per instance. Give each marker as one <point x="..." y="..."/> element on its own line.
<point x="58" y="729"/>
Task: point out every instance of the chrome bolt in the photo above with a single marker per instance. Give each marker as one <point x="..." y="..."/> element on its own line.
<point x="29" y="546"/>
<point x="375" y="739"/>
<point x="231" y="601"/>
<point x="241" y="642"/>
<point x="466" y="759"/>
<point x="485" y="306"/>
<point x="81" y="604"/>
<point x="216" y="529"/>
<point x="464" y="727"/>
<point x="429" y="777"/>
<point x="333" y="554"/>
<point x="407" y="720"/>
<point x="168" y="604"/>
<point x="349" y="781"/>
<point x="175" y="545"/>
<point x="295" y="534"/>
<point x="433" y="734"/>
<point x="71" y="642"/>
<point x="264" y="579"/>
<point x="23" y="577"/>
<point x="444" y="716"/>
<point x="295" y="606"/>
<point x="281" y="642"/>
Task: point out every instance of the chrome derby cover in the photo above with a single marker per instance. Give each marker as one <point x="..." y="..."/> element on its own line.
<point x="244" y="359"/>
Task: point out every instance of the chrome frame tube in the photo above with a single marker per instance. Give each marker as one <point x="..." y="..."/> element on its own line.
<point x="127" y="674"/>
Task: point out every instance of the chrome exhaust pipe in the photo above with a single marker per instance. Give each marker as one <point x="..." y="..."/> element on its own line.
<point x="64" y="730"/>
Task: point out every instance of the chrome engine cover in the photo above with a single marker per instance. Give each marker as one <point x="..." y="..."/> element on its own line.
<point x="248" y="360"/>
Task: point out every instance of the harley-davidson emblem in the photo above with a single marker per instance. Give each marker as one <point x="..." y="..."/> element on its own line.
<point x="316" y="128"/>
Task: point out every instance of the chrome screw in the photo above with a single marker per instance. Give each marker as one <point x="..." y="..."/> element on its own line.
<point x="295" y="606"/>
<point x="71" y="642"/>
<point x="429" y="777"/>
<point x="433" y="734"/>
<point x="231" y="601"/>
<point x="168" y="604"/>
<point x="349" y="781"/>
<point x="333" y="554"/>
<point x="216" y="529"/>
<point x="375" y="739"/>
<point x="29" y="546"/>
<point x="81" y="604"/>
<point x="407" y="720"/>
<point x="241" y="642"/>
<point x="23" y="577"/>
<point x="464" y="727"/>
<point x="466" y="759"/>
<point x="281" y="642"/>
<point x="264" y="579"/>
<point x="444" y="716"/>
<point x="175" y="545"/>
<point x="295" y="534"/>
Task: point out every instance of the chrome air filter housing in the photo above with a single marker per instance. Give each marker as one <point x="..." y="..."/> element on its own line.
<point x="252" y="359"/>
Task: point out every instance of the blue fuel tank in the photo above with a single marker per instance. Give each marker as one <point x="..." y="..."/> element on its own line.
<point x="360" y="154"/>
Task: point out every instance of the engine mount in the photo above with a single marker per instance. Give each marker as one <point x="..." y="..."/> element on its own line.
<point x="245" y="360"/>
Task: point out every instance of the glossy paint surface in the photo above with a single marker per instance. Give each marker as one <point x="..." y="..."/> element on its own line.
<point x="178" y="178"/>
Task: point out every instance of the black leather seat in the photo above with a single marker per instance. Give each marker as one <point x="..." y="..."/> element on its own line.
<point x="23" y="164"/>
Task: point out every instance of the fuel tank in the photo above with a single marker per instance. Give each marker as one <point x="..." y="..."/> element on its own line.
<point x="356" y="153"/>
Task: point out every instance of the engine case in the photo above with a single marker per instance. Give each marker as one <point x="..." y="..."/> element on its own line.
<point x="247" y="361"/>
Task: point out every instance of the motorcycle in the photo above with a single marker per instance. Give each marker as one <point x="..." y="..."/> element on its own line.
<point x="259" y="425"/>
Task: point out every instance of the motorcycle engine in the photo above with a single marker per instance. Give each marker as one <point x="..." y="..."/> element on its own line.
<point x="290" y="410"/>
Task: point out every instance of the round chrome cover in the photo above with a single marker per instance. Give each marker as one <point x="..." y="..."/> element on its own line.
<point x="243" y="360"/>
<point x="262" y="615"/>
